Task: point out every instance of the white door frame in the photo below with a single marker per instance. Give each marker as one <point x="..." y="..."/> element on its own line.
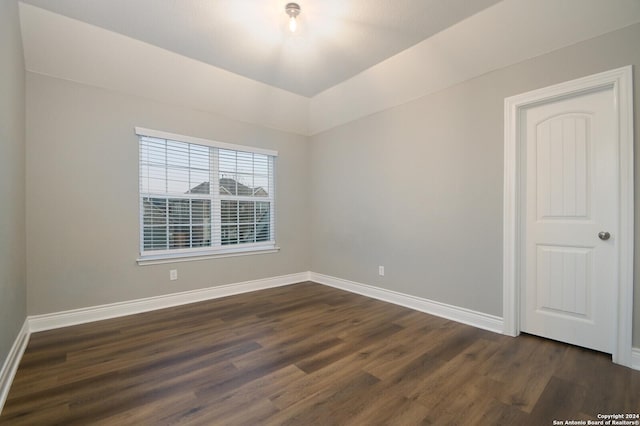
<point x="620" y="80"/>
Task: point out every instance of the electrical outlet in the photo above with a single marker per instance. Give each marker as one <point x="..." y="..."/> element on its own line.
<point x="173" y="274"/>
<point x="381" y="271"/>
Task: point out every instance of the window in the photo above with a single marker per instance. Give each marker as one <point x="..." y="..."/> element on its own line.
<point x="203" y="198"/>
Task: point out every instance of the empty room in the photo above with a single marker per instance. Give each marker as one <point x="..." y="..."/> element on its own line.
<point x="320" y="212"/>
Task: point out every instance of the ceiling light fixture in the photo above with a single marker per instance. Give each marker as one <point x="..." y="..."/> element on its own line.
<point x="293" y="10"/>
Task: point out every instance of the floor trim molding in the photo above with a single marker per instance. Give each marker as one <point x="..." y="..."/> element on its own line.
<point x="96" y="313"/>
<point x="10" y="366"/>
<point x="114" y="310"/>
<point x="101" y="312"/>
<point x="454" y="313"/>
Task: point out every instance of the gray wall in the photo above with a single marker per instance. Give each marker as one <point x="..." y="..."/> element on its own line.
<point x="418" y="188"/>
<point x="82" y="198"/>
<point x="12" y="169"/>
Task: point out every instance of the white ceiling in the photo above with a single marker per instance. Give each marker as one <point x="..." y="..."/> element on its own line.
<point x="336" y="39"/>
<point x="506" y="33"/>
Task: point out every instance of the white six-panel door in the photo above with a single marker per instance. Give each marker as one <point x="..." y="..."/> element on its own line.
<point x="571" y="193"/>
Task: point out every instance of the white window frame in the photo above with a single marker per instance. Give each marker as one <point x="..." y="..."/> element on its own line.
<point x="217" y="250"/>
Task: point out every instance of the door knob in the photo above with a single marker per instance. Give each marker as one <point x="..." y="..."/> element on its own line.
<point x="604" y="235"/>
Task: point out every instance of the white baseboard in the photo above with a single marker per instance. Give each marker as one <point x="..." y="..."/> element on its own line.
<point x="10" y="365"/>
<point x="114" y="310"/>
<point x="80" y="316"/>
<point x="454" y="313"/>
<point x="635" y="358"/>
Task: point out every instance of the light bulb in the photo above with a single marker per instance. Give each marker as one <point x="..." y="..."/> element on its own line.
<point x="293" y="10"/>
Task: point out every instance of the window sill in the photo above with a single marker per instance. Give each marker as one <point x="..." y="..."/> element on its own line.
<point x="190" y="257"/>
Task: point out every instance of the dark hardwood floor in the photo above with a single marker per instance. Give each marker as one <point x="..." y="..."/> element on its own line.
<point x="307" y="355"/>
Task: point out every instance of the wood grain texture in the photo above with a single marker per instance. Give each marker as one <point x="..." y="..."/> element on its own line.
<point x="307" y="354"/>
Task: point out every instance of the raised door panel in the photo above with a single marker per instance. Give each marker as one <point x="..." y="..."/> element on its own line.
<point x="562" y="284"/>
<point x="562" y="147"/>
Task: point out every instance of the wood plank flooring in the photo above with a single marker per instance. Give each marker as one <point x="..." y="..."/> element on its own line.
<point x="307" y="355"/>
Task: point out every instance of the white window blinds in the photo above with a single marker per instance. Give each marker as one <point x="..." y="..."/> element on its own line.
<point x="199" y="196"/>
